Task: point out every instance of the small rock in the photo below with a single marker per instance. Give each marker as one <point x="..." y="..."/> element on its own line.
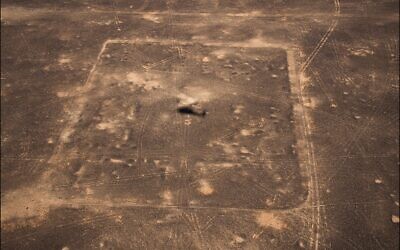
<point x="302" y="244"/>
<point x="357" y="117"/>
<point x="269" y="202"/>
<point x="378" y="181"/>
<point x="116" y="161"/>
<point x="245" y="132"/>
<point x="238" y="240"/>
<point x="395" y="219"/>
<point x="244" y="150"/>
<point x="274" y="76"/>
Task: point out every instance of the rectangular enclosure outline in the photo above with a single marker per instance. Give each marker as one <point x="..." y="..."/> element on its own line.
<point x="303" y="155"/>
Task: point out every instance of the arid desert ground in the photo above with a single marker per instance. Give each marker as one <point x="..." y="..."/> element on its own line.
<point x="199" y="124"/>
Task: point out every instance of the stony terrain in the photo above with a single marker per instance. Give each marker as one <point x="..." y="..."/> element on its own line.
<point x="208" y="124"/>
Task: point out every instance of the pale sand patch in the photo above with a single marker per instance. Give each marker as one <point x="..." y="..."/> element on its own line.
<point x="151" y="17"/>
<point x="269" y="220"/>
<point x="110" y="126"/>
<point x="167" y="197"/>
<point x="147" y="81"/>
<point x="205" y="188"/>
<point x="64" y="60"/>
<point x="27" y="203"/>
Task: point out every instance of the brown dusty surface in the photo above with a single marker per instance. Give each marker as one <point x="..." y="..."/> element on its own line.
<point x="200" y="124"/>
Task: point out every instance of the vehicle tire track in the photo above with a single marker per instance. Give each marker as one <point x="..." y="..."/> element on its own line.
<point x="323" y="40"/>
